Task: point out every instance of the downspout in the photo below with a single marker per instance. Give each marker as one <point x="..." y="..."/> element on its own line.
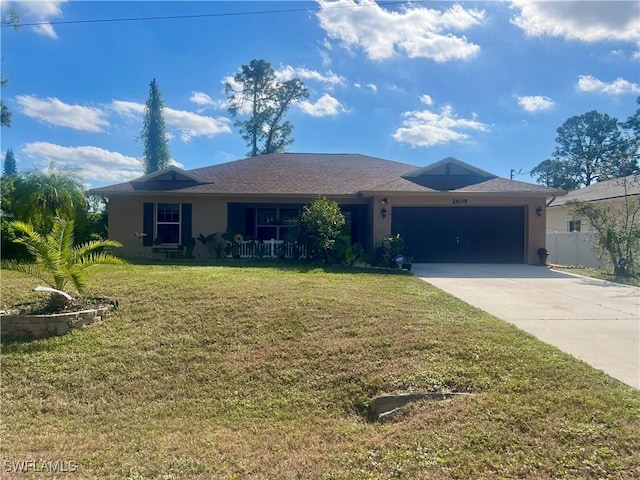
<point x="551" y="201"/>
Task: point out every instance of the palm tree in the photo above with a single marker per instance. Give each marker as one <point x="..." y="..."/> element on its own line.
<point x="58" y="262"/>
<point x="40" y="196"/>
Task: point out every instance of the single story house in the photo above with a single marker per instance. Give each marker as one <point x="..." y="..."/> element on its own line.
<point x="449" y="211"/>
<point x="560" y="218"/>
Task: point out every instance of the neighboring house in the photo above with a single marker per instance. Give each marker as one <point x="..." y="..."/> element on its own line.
<point x="449" y="211"/>
<point x="560" y="218"/>
<point x="571" y="239"/>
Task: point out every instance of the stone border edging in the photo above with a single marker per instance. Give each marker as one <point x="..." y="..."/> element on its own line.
<point x="20" y="326"/>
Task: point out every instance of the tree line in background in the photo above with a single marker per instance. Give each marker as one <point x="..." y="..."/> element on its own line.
<point x="591" y="147"/>
<point x="254" y="92"/>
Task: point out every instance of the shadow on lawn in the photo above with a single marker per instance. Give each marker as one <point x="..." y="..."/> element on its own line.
<point x="289" y="265"/>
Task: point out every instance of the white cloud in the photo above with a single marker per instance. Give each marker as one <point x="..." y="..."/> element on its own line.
<point x="585" y="21"/>
<point x="426" y="128"/>
<point x="127" y="109"/>
<point x="620" y="86"/>
<point x="187" y="124"/>
<point x="324" y="54"/>
<point x="40" y="11"/>
<point x="95" y="164"/>
<point x="191" y="124"/>
<point x="426" y="99"/>
<point x="372" y="86"/>
<point x="535" y="103"/>
<point x="325" y="106"/>
<point x="55" y="112"/>
<point x="285" y="73"/>
<point x="205" y="101"/>
<point x="414" y="31"/>
<point x="202" y="99"/>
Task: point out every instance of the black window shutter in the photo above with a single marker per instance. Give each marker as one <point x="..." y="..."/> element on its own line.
<point x="147" y="224"/>
<point x="186" y="223"/>
<point x="250" y="222"/>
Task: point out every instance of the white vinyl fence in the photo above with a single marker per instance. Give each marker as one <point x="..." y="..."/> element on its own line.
<point x="575" y="248"/>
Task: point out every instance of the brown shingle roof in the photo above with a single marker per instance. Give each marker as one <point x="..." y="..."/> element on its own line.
<point x="309" y="174"/>
<point x="604" y="190"/>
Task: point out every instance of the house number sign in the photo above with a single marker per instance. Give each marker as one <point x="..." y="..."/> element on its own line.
<point x="459" y="201"/>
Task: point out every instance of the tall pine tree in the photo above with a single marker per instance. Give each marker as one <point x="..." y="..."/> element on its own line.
<point x="9" y="168"/>
<point x="256" y="92"/>
<point x="156" y="149"/>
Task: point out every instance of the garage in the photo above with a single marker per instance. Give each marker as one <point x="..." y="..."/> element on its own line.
<point x="465" y="234"/>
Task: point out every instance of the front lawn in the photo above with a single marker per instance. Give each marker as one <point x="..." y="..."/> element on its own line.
<point x="632" y="280"/>
<point x="248" y="371"/>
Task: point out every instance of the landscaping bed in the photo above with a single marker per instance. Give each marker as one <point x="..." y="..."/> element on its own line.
<point x="29" y="320"/>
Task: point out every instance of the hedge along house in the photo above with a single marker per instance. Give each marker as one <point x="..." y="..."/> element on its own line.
<point x="449" y="211"/>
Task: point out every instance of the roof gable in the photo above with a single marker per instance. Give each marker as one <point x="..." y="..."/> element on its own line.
<point x="169" y="178"/>
<point x="170" y="174"/>
<point x="448" y="174"/>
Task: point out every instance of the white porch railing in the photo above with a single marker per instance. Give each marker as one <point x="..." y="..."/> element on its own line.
<point x="266" y="249"/>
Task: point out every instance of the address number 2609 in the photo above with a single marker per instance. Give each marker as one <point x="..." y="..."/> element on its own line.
<point x="459" y="201"/>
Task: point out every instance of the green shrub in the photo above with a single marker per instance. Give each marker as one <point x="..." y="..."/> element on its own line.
<point x="386" y="251"/>
<point x="322" y="222"/>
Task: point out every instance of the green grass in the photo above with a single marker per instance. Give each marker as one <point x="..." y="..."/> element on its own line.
<point x="632" y="280"/>
<point x="265" y="373"/>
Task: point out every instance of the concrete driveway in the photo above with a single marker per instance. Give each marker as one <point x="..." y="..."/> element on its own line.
<point x="595" y="320"/>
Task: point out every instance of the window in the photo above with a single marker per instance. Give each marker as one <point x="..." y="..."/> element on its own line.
<point x="277" y="223"/>
<point x="168" y="223"/>
<point x="574" y="225"/>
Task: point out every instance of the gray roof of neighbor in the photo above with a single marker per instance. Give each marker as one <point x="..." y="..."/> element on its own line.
<point x="605" y="190"/>
<point x="309" y="174"/>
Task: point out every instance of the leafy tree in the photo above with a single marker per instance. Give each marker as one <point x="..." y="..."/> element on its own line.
<point x="590" y="148"/>
<point x="256" y="90"/>
<point x="9" y="166"/>
<point x="633" y="122"/>
<point x="617" y="227"/>
<point x="553" y="173"/>
<point x="12" y="18"/>
<point x="322" y="222"/>
<point x="58" y="262"/>
<point x="156" y="149"/>
<point x="5" y="114"/>
<point x="40" y="196"/>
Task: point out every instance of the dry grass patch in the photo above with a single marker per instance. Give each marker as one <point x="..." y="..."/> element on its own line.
<point x="264" y="372"/>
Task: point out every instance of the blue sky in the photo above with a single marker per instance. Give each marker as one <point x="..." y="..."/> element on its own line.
<point x="486" y="82"/>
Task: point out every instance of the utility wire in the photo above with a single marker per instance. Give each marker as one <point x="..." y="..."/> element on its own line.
<point x="204" y="15"/>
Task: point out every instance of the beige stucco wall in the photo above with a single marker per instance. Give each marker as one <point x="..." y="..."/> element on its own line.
<point x="534" y="237"/>
<point x="558" y="217"/>
<point x="209" y="215"/>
